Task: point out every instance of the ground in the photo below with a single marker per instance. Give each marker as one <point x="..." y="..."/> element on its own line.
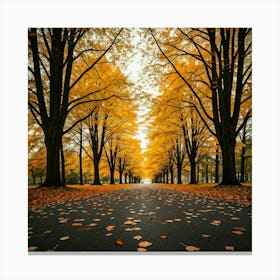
<point x="140" y="218"/>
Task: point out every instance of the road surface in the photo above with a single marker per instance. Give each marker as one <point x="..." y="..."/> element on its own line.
<point x="140" y="218"/>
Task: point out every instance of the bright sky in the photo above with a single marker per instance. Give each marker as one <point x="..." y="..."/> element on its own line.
<point x="135" y="73"/>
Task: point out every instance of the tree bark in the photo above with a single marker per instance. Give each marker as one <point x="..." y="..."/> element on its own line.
<point x="179" y="173"/>
<point x="193" y="169"/>
<point x="81" y="155"/>
<point x="217" y="166"/>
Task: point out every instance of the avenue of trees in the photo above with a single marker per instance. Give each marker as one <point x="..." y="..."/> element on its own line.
<point x="83" y="109"/>
<point x="80" y="108"/>
<point x="205" y="102"/>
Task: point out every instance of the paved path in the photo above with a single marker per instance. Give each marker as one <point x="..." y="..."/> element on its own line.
<point x="118" y="221"/>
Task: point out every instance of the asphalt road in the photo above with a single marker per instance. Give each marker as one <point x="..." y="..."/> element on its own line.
<point x="118" y="221"/>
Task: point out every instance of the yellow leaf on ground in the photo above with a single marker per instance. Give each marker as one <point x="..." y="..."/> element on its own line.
<point x="64" y="238"/>
<point x="32" y="248"/>
<point x="205" y="235"/>
<point x="145" y="244"/>
<point x="109" y="228"/>
<point x="92" y="225"/>
<point x="137" y="237"/>
<point x="192" y="248"/>
<point x="119" y="242"/>
<point x="77" y="225"/>
<point x="177" y="220"/>
<point x="237" y="232"/>
<point x="229" y="248"/>
<point x="163" y="236"/>
<point x="141" y="249"/>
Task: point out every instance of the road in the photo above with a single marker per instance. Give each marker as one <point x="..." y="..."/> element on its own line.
<point x="140" y="218"/>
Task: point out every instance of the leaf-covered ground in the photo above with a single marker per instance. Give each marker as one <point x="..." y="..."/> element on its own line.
<point x="43" y="196"/>
<point x="139" y="218"/>
<point x="240" y="194"/>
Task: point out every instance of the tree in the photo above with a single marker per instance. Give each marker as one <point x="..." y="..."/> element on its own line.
<point x="225" y="56"/>
<point x="54" y="56"/>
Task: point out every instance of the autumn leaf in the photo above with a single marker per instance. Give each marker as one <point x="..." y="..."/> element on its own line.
<point x="92" y="225"/>
<point x="177" y="220"/>
<point x="145" y="244"/>
<point x="64" y="238"/>
<point x="205" y="235"/>
<point x="110" y="228"/>
<point x="239" y="228"/>
<point x="77" y="225"/>
<point x="140" y="249"/>
<point x="192" y="248"/>
<point x="229" y="248"/>
<point x="215" y="223"/>
<point x="163" y="236"/>
<point x="119" y="242"/>
<point x="32" y="248"/>
<point x="238" y="232"/>
<point x="137" y="237"/>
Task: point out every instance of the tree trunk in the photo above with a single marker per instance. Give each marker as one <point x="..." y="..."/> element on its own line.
<point x="193" y="170"/>
<point x="120" y="180"/>
<point x="228" y="155"/>
<point x="96" y="180"/>
<point x="81" y="156"/>
<point x="171" y="176"/>
<point x="34" y="180"/>
<point x="179" y="174"/>
<point x="206" y="173"/>
<point x="53" y="168"/>
<point x="62" y="164"/>
<point x="217" y="167"/>
<point x="197" y="173"/>
<point x="112" y="176"/>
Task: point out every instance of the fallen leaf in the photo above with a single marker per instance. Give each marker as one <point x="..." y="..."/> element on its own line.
<point x="239" y="228"/>
<point x="109" y="234"/>
<point x="192" y="248"/>
<point x="137" y="237"/>
<point x="92" y="225"/>
<point x="163" y="236"/>
<point x="141" y="249"/>
<point x="229" y="248"/>
<point x="119" y="242"/>
<point x="47" y="231"/>
<point x="77" y="225"/>
<point x="215" y="223"/>
<point x="32" y="248"/>
<point x="235" y="218"/>
<point x="96" y="220"/>
<point x="64" y="238"/>
<point x="237" y="232"/>
<point x="177" y="220"/>
<point x="145" y="244"/>
<point x="205" y="235"/>
<point x="109" y="228"/>
<point x="129" y="223"/>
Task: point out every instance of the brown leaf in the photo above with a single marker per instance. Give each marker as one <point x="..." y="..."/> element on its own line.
<point x="92" y="225"/>
<point x="77" y="225"/>
<point x="229" y="248"/>
<point x="32" y="248"/>
<point x="163" y="236"/>
<point x="137" y="237"/>
<point x="237" y="232"/>
<point x="239" y="228"/>
<point x="145" y="244"/>
<point x="177" y="220"/>
<point x="110" y="228"/>
<point x="205" y="235"/>
<point x="192" y="248"/>
<point x="119" y="242"/>
<point x="141" y="249"/>
<point x="64" y="238"/>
